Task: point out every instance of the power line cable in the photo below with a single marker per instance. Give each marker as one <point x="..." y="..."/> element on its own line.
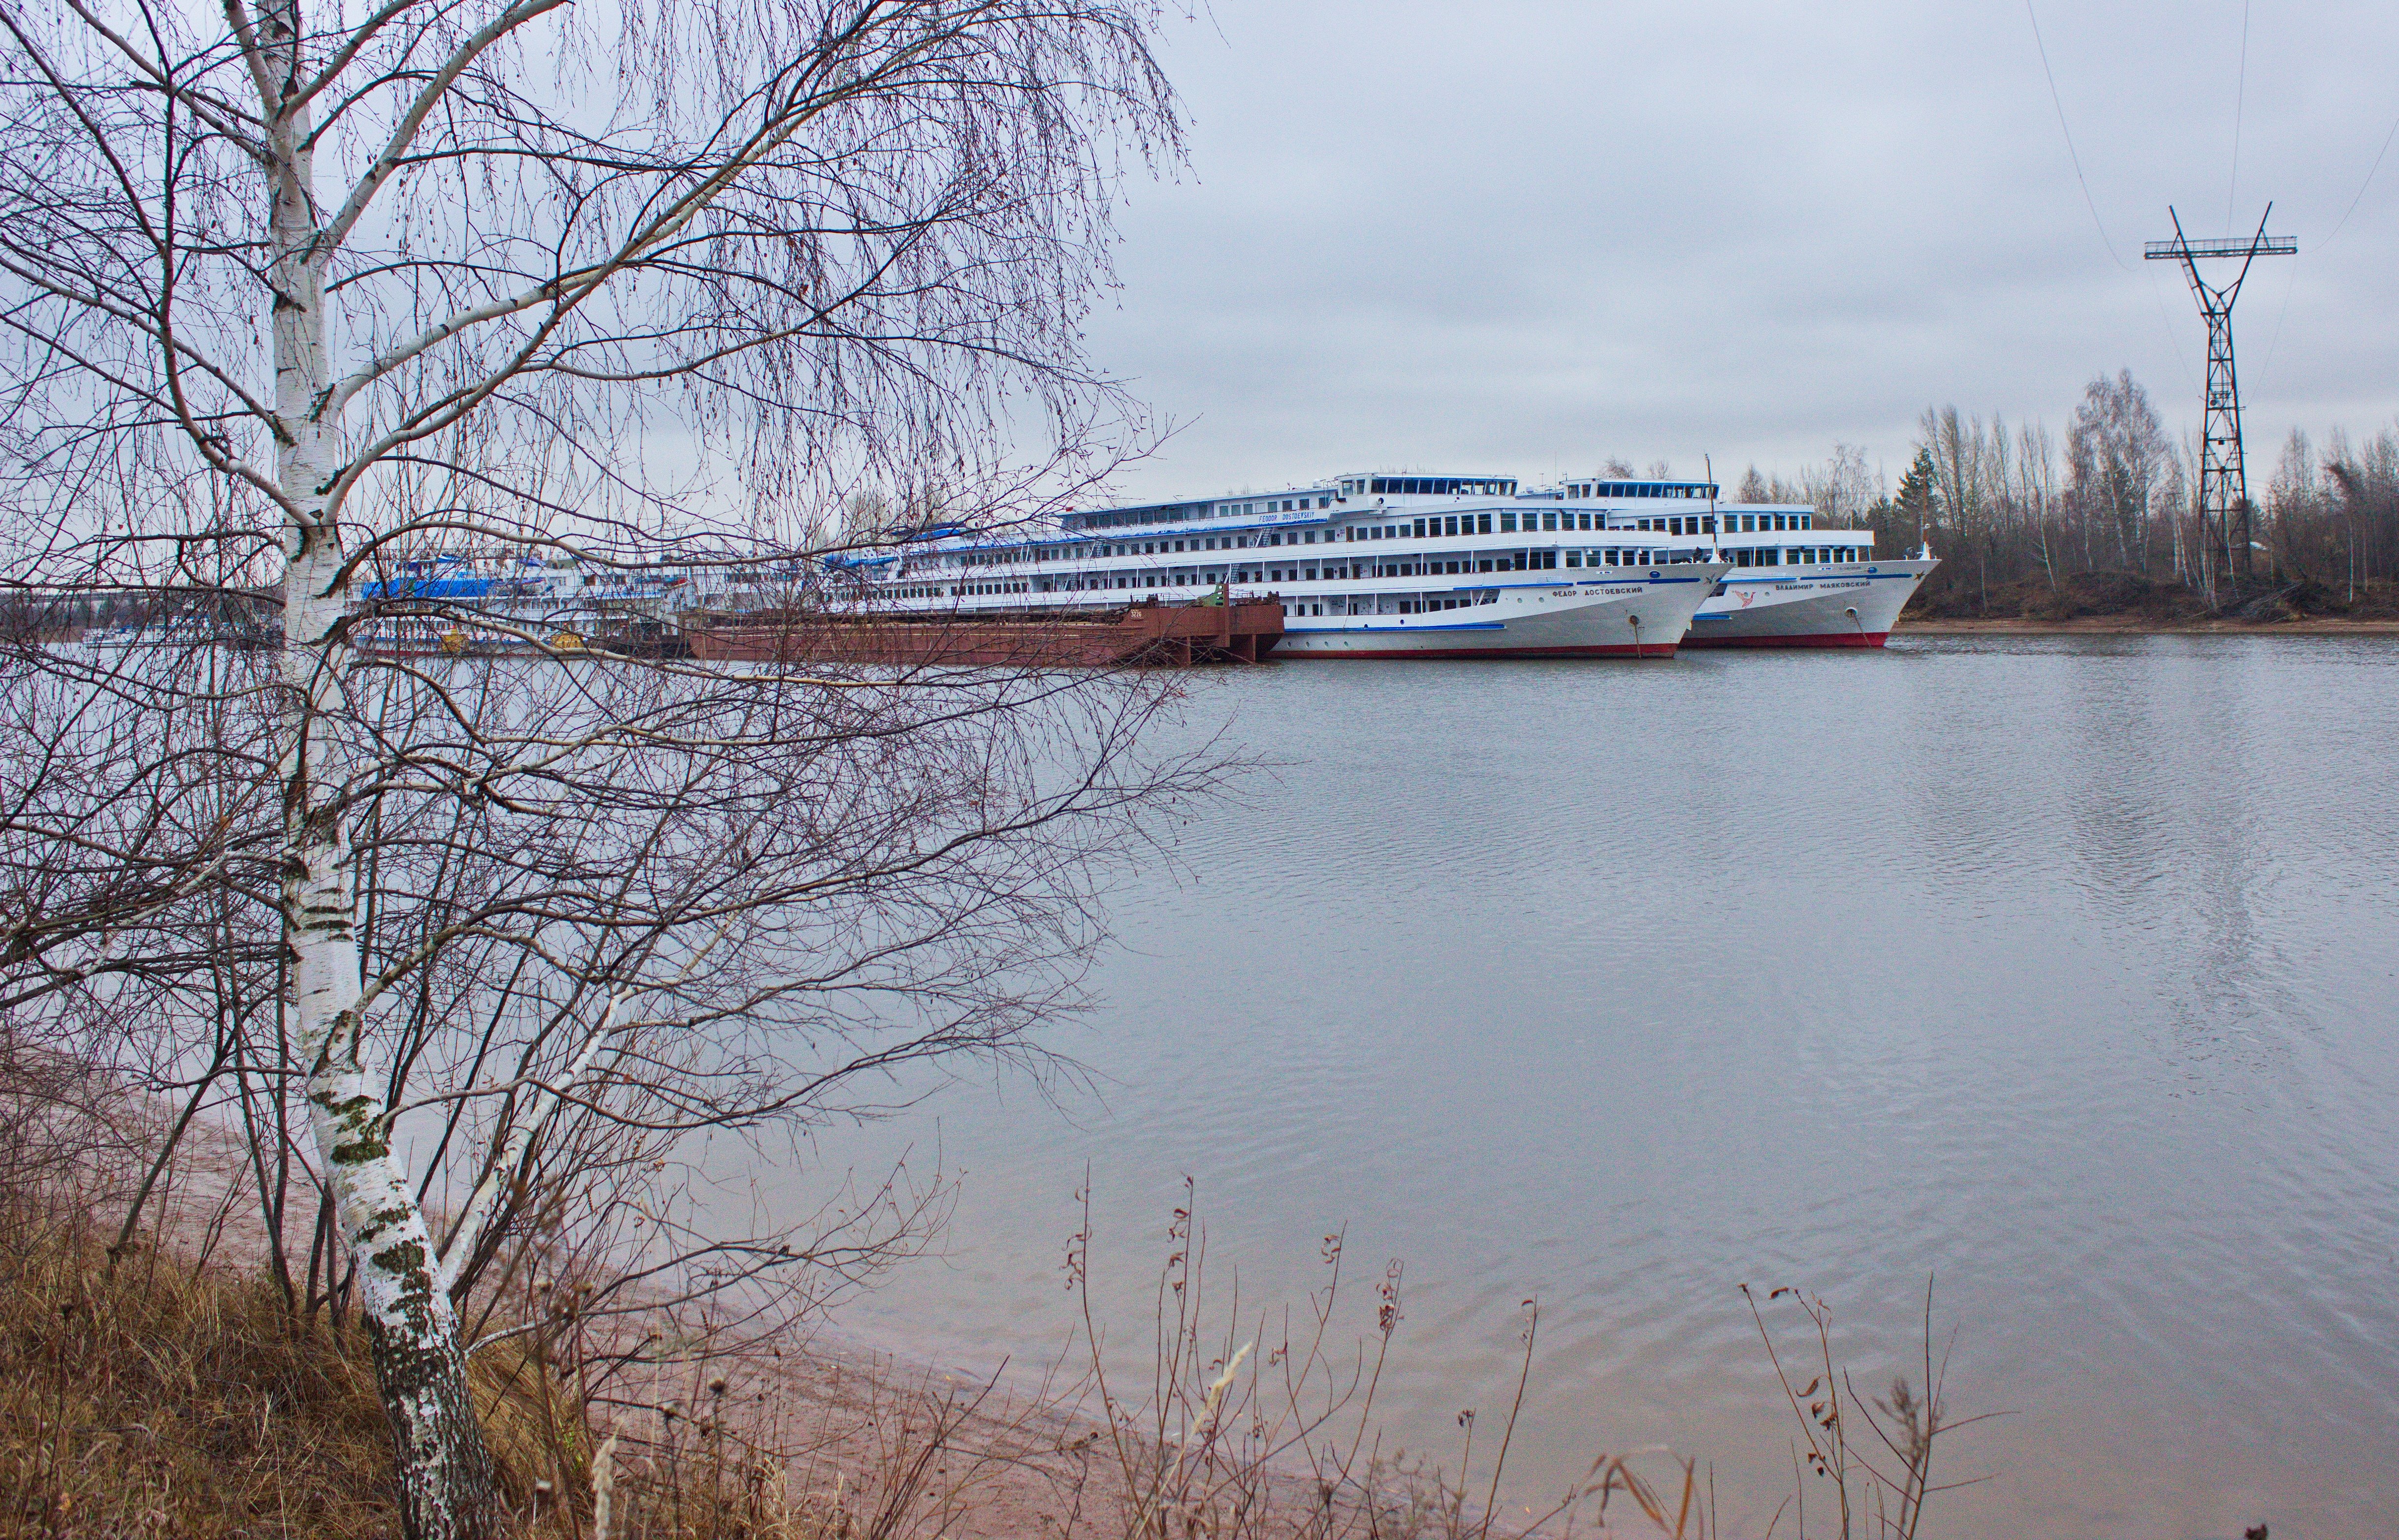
<point x="2240" y="102"/>
<point x="2289" y="286"/>
<point x="2071" y="154"/>
<point x="2092" y="203"/>
<point x="2173" y="338"/>
<point x="2362" y="186"/>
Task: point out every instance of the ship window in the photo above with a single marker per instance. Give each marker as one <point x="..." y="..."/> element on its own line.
<point x="1507" y="524"/>
<point x="1807" y="520"/>
<point x="1482" y="523"/>
<point x="1416" y="530"/>
<point x="1574" y="558"/>
<point x="1549" y="519"/>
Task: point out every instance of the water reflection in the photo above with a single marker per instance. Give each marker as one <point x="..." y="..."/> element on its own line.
<point x="2063" y="968"/>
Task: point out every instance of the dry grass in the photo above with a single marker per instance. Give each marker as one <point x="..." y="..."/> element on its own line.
<point x="148" y="1400"/>
<point x="152" y="1399"/>
<point x="171" y="1389"/>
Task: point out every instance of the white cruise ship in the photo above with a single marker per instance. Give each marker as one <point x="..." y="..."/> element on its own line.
<point x="1796" y="586"/>
<point x="1364" y="566"/>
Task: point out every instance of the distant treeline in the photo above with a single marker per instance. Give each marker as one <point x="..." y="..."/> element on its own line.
<point x="2006" y="505"/>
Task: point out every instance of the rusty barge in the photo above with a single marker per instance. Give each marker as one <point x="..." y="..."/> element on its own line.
<point x="1149" y="633"/>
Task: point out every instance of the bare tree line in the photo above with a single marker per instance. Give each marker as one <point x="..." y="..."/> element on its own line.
<point x="2117" y="494"/>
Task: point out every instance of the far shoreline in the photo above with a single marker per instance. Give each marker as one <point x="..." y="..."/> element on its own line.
<point x="2137" y="626"/>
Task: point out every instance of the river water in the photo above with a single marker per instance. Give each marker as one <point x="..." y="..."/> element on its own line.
<point x="2062" y="970"/>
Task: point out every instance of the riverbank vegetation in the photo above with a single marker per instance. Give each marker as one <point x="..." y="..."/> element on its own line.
<point x="2102" y="520"/>
<point x="155" y="1383"/>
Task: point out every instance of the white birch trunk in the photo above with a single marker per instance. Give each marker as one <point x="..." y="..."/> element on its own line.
<point x="445" y="1475"/>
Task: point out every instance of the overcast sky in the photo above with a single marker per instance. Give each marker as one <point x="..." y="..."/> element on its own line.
<point x="1520" y="237"/>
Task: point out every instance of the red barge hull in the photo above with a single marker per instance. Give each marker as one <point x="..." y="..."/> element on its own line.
<point x="1152" y="634"/>
<point x="1829" y="639"/>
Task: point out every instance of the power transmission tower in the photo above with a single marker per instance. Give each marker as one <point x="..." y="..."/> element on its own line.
<point x="2223" y="479"/>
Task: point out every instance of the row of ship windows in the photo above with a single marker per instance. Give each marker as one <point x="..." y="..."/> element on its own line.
<point x="1427" y="486"/>
<point x="1404" y="606"/>
<point x="1176" y="515"/>
<point x="1413" y="567"/>
<point x="1550" y="520"/>
<point x="1639" y="488"/>
<point x="1383" y="486"/>
<point x="1287" y="505"/>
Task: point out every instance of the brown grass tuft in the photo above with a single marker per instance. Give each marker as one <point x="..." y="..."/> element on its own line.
<point x="148" y="1400"/>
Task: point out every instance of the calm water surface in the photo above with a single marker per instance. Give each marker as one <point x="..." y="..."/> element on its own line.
<point x="2061" y="968"/>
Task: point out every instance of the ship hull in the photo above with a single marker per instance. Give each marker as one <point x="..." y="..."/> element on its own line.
<point x="1839" y="606"/>
<point x="1141" y="634"/>
<point x="1636" y="618"/>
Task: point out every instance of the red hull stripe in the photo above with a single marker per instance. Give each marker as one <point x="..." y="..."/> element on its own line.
<point x="1824" y="639"/>
<point x="1651" y="649"/>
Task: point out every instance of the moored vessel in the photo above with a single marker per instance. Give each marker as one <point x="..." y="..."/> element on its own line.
<point x="1147" y="633"/>
<point x="1794" y="585"/>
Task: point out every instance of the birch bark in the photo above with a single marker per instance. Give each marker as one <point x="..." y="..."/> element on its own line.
<point x="445" y="1469"/>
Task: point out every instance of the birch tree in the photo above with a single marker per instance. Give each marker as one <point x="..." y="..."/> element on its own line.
<point x="2116" y="451"/>
<point x="295" y="295"/>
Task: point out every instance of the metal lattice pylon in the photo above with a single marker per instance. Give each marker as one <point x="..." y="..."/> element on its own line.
<point x="2223" y="479"/>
